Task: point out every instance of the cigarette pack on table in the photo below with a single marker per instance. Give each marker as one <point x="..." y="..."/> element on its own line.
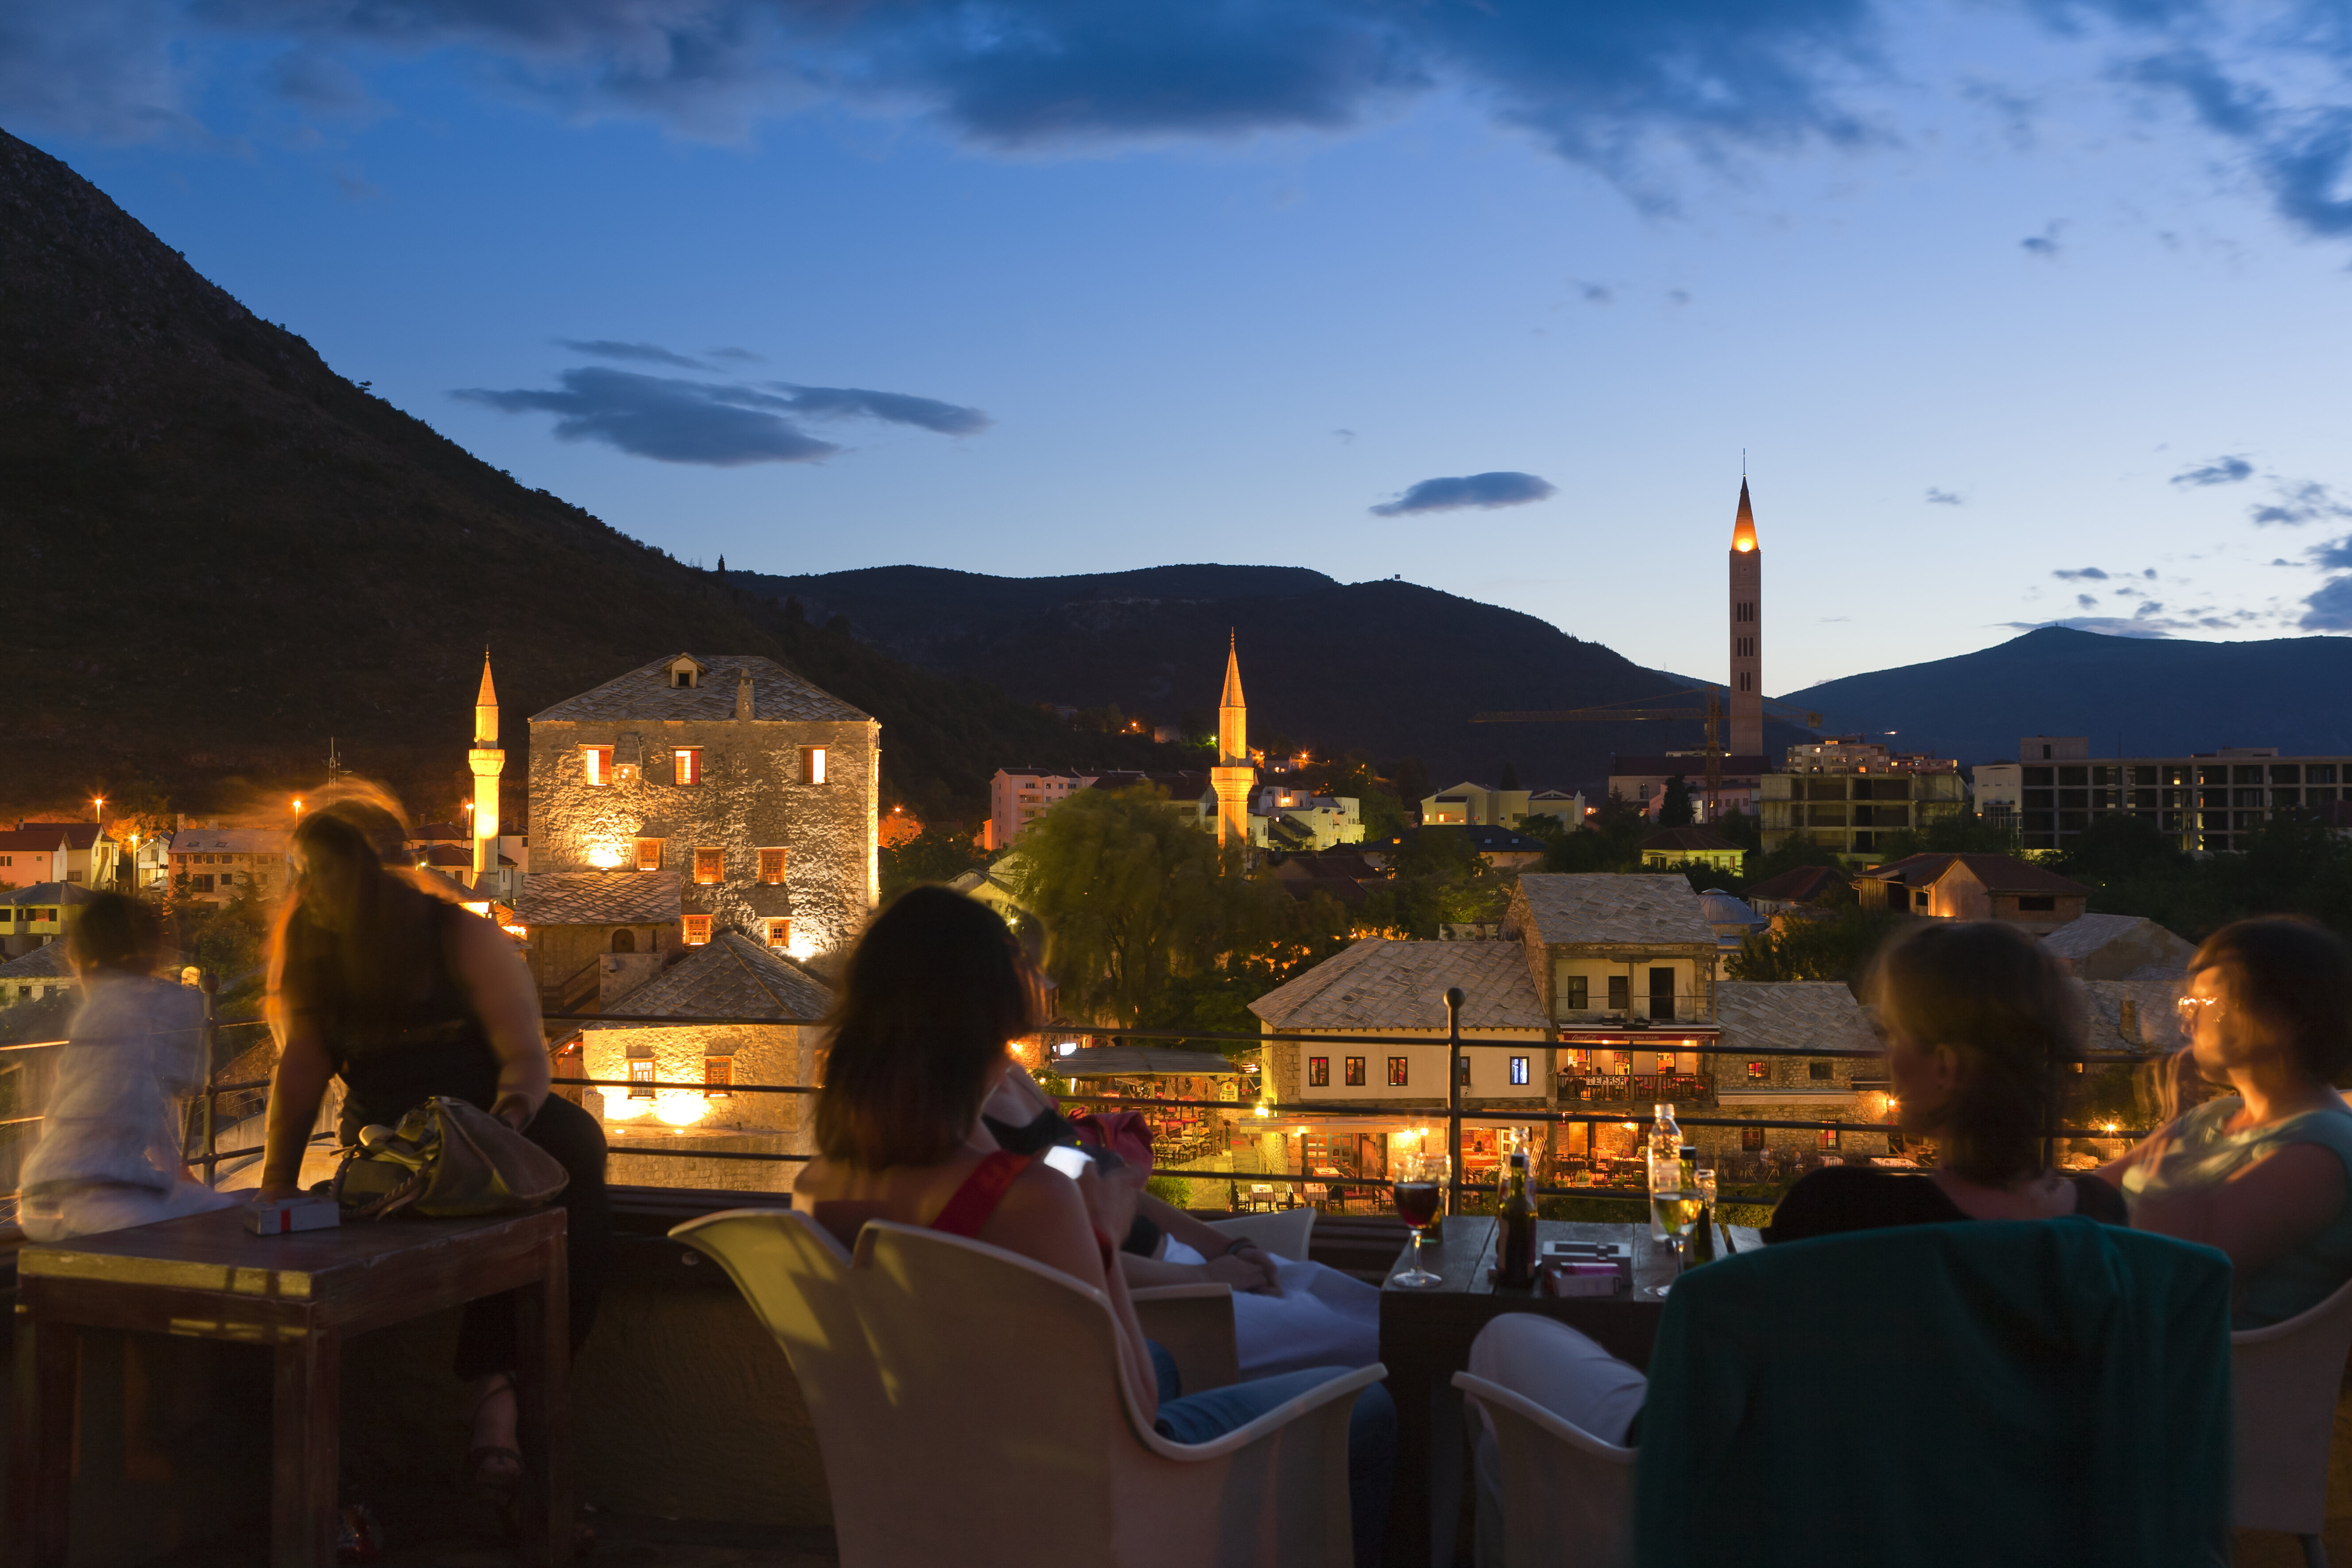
<point x="283" y="1216"/>
<point x="1587" y="1268"/>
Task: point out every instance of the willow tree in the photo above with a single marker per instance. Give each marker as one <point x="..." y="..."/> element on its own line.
<point x="1135" y="898"/>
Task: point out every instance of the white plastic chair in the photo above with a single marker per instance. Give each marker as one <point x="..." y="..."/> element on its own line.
<point x="1568" y="1497"/>
<point x="943" y="1442"/>
<point x="1284" y="1232"/>
<point x="2285" y="1381"/>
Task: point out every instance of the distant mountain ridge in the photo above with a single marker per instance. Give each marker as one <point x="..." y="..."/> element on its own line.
<point x="1388" y="667"/>
<point x="2148" y="695"/>
<point x="221" y="553"/>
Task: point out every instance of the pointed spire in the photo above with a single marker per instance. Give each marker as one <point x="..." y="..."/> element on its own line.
<point x="1743" y="528"/>
<point x="488" y="695"/>
<point x="1233" y="696"/>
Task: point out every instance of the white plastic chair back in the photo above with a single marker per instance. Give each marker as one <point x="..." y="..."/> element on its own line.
<point x="1568" y="1497"/>
<point x="972" y="1408"/>
<point x="2284" y="1382"/>
<point x="1284" y="1232"/>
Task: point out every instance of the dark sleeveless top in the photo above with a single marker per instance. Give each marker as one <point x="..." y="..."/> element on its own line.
<point x="434" y="1046"/>
<point x="1839" y="1198"/>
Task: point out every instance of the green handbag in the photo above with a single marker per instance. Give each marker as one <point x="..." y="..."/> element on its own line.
<point x="448" y="1159"/>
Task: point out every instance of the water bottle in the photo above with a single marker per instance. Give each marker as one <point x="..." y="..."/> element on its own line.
<point x="1666" y="1152"/>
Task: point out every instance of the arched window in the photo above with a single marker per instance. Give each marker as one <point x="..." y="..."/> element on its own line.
<point x="624" y="941"/>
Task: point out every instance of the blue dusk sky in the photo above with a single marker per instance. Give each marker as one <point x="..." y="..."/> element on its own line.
<point x="2023" y="312"/>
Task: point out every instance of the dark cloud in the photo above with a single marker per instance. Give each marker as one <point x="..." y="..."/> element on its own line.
<point x="639" y="353"/>
<point x="1945" y="497"/>
<point x="2329" y="609"/>
<point x="742" y="356"/>
<point x="2219" y="471"/>
<point x="1503" y="488"/>
<point x="1596" y="293"/>
<point x="2333" y="556"/>
<point x="2087" y="601"/>
<point x="2044" y="244"/>
<point x="895" y="407"/>
<point x="1347" y="438"/>
<point x="719" y="424"/>
<point x="2085" y="574"/>
<point x="1600" y="85"/>
<point x="2301" y="155"/>
<point x="2299" y="501"/>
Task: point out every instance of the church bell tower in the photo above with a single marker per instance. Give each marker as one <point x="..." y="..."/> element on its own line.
<point x="1747" y="684"/>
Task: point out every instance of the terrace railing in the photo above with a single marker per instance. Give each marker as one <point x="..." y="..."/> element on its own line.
<point x="204" y="1116"/>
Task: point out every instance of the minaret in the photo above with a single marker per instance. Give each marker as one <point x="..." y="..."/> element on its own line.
<point x="1233" y="774"/>
<point x="488" y="763"/>
<point x="1747" y="633"/>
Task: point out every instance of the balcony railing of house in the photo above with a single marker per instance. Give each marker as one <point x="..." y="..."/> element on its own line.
<point x="1637" y="1087"/>
<point x="1641" y="1010"/>
<point x="221" y="1102"/>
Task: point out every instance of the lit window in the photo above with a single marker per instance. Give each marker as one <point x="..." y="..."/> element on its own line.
<point x="812" y="764"/>
<point x="1758" y="1071"/>
<point x="1319" y="1072"/>
<point x="710" y="864"/>
<point x="1463" y="1066"/>
<point x="1751" y="1138"/>
<point x="687" y="760"/>
<point x="1397" y="1073"/>
<point x="718" y="1076"/>
<point x="1518" y="1070"/>
<point x="597" y="764"/>
<point x="1356" y="1072"/>
<point x="780" y="934"/>
<point x="695" y="930"/>
<point x="1666" y="1061"/>
<point x="641" y="1078"/>
<point x="649" y="853"/>
<point x="1829" y="1137"/>
<point x="772" y="866"/>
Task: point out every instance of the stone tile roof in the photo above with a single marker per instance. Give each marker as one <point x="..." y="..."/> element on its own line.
<point x="48" y="893"/>
<point x="598" y="898"/>
<point x="1793" y="1014"/>
<point x="1379" y="985"/>
<point x="730" y="977"/>
<point x="646" y="693"/>
<point x="1799" y="886"/>
<point x="46" y="962"/>
<point x="1607" y="907"/>
<point x="2085" y="935"/>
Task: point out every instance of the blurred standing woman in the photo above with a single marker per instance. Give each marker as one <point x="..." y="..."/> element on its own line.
<point x="2263" y="1175"/>
<point x="404" y="996"/>
<point x="110" y="1151"/>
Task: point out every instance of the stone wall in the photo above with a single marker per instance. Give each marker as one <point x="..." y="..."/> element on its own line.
<point x="751" y="797"/>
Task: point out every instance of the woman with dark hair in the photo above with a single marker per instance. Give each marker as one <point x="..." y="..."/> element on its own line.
<point x="110" y="1155"/>
<point x="406" y="996"/>
<point x="2265" y="1173"/>
<point x="1976" y="1016"/>
<point x="933" y="993"/>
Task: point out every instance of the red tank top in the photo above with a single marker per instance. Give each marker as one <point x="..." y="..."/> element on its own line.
<point x="970" y="1205"/>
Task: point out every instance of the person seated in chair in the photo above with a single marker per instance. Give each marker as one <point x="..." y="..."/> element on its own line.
<point x="1976" y="1016"/>
<point x="930" y="996"/>
<point x="2265" y="1173"/>
<point x="1288" y="1312"/>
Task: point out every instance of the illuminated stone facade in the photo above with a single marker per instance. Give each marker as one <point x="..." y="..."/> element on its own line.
<point x="758" y="790"/>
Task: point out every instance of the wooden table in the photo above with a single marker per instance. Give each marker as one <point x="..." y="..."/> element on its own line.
<point x="205" y="1278"/>
<point x="1426" y="1338"/>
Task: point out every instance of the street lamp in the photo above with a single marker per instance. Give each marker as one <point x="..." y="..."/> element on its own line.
<point x="98" y="808"/>
<point x="298" y="808"/>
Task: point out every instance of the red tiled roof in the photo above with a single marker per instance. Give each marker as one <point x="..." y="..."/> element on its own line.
<point x="80" y="835"/>
<point x="1999" y="873"/>
<point x="30" y="838"/>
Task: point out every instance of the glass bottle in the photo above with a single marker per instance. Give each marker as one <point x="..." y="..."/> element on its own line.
<point x="1702" y="1241"/>
<point x="1665" y="1159"/>
<point x="1515" y="1246"/>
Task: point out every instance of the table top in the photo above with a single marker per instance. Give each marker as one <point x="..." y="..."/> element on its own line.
<point x="215" y="1252"/>
<point x="1465" y="1257"/>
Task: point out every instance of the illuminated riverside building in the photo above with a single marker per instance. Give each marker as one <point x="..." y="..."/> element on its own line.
<point x="697" y="794"/>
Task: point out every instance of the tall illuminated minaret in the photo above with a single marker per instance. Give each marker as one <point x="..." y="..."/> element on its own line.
<point x="1747" y="633"/>
<point x="1233" y="772"/>
<point x="488" y="763"/>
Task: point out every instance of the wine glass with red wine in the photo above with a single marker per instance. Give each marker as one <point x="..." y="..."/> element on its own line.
<point x="1420" y="1188"/>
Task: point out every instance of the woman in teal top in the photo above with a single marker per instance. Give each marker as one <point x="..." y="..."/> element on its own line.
<point x="2265" y="1174"/>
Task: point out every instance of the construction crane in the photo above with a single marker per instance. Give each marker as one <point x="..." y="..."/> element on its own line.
<point x="1711" y="715"/>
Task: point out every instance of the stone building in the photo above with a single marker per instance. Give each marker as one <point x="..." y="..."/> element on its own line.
<point x="1792" y="1016"/>
<point x="755" y="790"/>
<point x="211" y="865"/>
<point x="1974" y="887"/>
<point x="683" y="1077"/>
